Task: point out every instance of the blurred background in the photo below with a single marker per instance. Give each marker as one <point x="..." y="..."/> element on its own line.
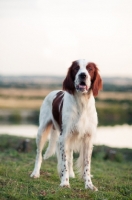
<point x="38" y="41"/>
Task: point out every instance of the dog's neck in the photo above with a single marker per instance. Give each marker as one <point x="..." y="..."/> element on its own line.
<point x="83" y="100"/>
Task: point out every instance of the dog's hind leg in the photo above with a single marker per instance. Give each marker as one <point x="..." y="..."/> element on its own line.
<point x="70" y="164"/>
<point x="52" y="143"/>
<point x="41" y="139"/>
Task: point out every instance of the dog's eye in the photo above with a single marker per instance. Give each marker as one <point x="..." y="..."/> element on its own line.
<point x="76" y="68"/>
<point x="89" y="69"/>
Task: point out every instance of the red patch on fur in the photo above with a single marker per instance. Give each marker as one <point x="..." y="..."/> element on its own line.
<point x="57" y="108"/>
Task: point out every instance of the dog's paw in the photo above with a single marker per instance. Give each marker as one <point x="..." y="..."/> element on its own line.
<point x="35" y="175"/>
<point x="91" y="187"/>
<point x="66" y="185"/>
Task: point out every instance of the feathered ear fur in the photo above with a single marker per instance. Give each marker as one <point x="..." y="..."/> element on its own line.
<point x="68" y="83"/>
<point x="96" y="81"/>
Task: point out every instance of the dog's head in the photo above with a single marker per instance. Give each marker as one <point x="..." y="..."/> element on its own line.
<point x="82" y="77"/>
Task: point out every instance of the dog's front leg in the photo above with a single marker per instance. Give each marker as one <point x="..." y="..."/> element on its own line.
<point x="63" y="162"/>
<point x="88" y="147"/>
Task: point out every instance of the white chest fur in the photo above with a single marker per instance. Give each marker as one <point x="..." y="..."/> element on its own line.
<point x="79" y="115"/>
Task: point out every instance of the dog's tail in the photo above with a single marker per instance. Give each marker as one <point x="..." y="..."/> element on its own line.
<point x="51" y="149"/>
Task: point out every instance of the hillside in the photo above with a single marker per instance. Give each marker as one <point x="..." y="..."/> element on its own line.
<point x="111" y="176"/>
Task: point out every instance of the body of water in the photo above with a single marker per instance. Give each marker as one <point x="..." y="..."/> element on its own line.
<point x="116" y="136"/>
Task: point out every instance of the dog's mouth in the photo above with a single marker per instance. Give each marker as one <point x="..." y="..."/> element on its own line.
<point x="82" y="86"/>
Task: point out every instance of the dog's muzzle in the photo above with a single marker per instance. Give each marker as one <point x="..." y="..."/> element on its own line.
<point x="82" y="86"/>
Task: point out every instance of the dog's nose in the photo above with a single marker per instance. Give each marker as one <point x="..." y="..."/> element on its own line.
<point x="82" y="75"/>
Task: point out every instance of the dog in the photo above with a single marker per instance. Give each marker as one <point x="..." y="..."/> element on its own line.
<point x="69" y="119"/>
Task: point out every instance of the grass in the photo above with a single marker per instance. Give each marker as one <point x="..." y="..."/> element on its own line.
<point x="112" y="178"/>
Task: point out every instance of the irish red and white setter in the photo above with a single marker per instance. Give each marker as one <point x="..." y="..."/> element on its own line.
<point x="68" y="118"/>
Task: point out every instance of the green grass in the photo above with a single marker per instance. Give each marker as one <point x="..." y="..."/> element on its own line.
<point x="113" y="179"/>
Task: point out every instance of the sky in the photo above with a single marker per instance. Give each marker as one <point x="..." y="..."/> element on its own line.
<point x="43" y="37"/>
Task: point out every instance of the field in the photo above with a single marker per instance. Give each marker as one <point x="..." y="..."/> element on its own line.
<point x="32" y="98"/>
<point x="19" y="105"/>
<point x="112" y="177"/>
<point x="14" y="98"/>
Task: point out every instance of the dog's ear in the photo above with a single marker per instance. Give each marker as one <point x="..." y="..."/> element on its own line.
<point x="68" y="83"/>
<point x="96" y="80"/>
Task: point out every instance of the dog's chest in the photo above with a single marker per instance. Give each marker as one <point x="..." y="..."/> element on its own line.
<point x="80" y="121"/>
<point x="79" y="115"/>
<point x="83" y="122"/>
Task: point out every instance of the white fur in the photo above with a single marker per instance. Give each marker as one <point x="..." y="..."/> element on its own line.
<point x="79" y="122"/>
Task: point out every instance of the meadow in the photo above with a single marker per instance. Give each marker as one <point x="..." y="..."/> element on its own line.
<point x="18" y="105"/>
<point x="112" y="177"/>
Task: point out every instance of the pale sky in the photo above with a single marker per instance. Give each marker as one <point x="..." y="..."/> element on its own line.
<point x="43" y="37"/>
